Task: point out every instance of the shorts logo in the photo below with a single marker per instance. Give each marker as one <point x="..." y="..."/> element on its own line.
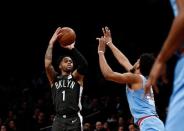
<point x="73" y="121"/>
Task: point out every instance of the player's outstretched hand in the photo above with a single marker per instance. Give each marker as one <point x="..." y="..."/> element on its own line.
<point x="55" y="36"/>
<point x="107" y="34"/>
<point x="101" y="45"/>
<point x="155" y="73"/>
<point x="71" y="46"/>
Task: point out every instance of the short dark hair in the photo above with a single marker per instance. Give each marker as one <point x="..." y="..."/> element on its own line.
<point x="63" y="56"/>
<point x="146" y="63"/>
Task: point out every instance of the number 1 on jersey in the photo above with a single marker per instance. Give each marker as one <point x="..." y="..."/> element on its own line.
<point x="63" y="95"/>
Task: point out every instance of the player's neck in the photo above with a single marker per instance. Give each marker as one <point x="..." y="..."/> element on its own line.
<point x="66" y="73"/>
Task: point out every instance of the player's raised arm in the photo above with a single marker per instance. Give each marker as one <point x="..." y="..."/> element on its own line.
<point x="108" y="73"/>
<point x="81" y="63"/>
<point x="122" y="59"/>
<point x="48" y="57"/>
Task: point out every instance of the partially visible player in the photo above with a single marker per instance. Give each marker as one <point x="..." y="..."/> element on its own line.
<point x="66" y="86"/>
<point x="142" y="106"/>
<point x="173" y="43"/>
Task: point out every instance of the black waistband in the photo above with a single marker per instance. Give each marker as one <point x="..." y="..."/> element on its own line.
<point x="66" y="115"/>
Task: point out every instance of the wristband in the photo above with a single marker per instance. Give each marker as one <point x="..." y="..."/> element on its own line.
<point x="108" y="42"/>
<point x="100" y="51"/>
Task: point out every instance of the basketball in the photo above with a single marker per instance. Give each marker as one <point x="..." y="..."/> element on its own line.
<point x="68" y="36"/>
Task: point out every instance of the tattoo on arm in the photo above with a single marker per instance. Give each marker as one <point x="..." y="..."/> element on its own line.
<point x="48" y="64"/>
<point x="48" y="54"/>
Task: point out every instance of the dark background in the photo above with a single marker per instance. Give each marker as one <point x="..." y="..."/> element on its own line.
<point x="137" y="26"/>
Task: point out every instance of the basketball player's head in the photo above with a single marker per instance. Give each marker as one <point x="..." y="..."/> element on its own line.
<point x="65" y="64"/>
<point x="143" y="64"/>
<point x="146" y="63"/>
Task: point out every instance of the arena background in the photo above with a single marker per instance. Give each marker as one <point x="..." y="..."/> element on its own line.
<point x="27" y="26"/>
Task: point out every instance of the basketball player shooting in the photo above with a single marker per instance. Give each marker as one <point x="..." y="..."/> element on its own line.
<point x="142" y="107"/>
<point x="66" y="86"/>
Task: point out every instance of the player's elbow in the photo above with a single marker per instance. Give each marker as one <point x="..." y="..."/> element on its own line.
<point x="47" y="64"/>
<point x="108" y="75"/>
<point x="83" y="69"/>
<point x="85" y="65"/>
